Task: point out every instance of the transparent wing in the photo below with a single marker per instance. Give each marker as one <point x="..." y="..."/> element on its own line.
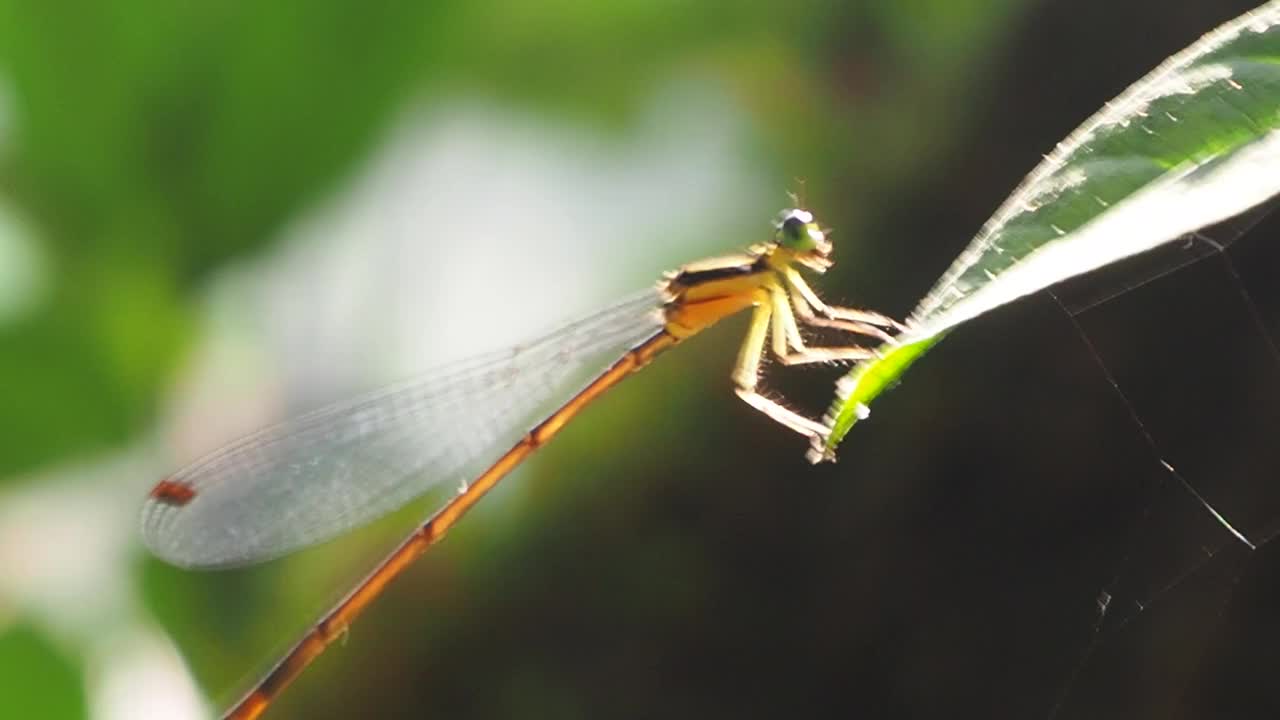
<point x="316" y="476"/>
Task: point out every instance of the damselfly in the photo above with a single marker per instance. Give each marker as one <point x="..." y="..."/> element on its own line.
<point x="312" y="478"/>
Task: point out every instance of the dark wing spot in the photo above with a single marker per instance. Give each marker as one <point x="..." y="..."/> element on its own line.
<point x="172" y="492"/>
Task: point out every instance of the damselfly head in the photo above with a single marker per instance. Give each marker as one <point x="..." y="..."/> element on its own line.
<point x="798" y="232"/>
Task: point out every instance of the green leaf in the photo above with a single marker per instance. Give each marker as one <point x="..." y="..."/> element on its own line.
<point x="1193" y="143"/>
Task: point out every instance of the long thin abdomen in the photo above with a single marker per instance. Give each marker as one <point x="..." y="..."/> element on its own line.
<point x="336" y="621"/>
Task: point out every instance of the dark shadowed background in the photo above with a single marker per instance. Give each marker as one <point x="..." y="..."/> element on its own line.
<point x="213" y="216"/>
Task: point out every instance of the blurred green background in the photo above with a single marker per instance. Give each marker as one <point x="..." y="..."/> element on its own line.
<point x="213" y="215"/>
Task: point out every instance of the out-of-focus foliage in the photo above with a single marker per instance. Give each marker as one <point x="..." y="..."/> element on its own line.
<point x="39" y="679"/>
<point x="675" y="556"/>
<point x="152" y="141"/>
<point x="146" y="144"/>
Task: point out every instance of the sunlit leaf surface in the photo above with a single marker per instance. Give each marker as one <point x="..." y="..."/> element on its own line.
<point x="1193" y="143"/>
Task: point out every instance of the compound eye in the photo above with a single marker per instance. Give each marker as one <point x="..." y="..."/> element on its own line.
<point x="793" y="228"/>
